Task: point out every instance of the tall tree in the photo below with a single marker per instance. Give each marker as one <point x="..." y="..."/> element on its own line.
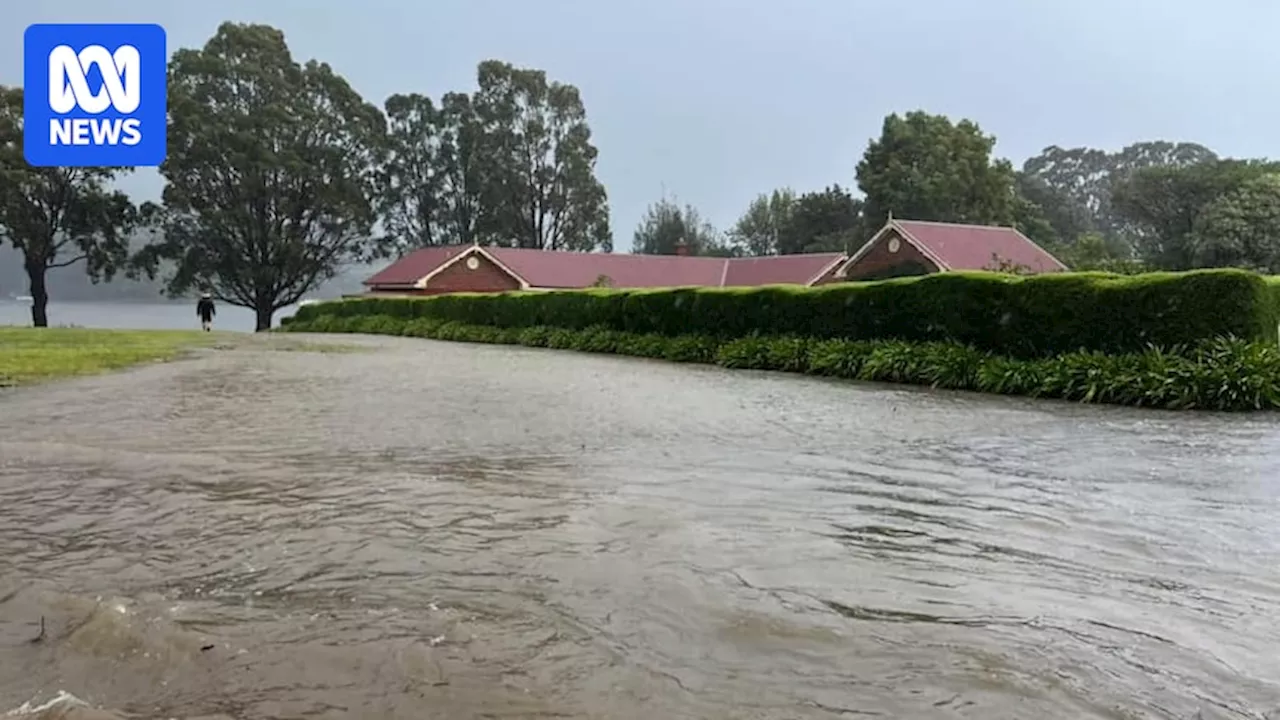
<point x="538" y="162"/>
<point x="759" y="229"/>
<point x="270" y="176"/>
<point x="926" y="167"/>
<point x="55" y="216"/>
<point x="828" y="220"/>
<point x="1086" y="177"/>
<point x="411" y="176"/>
<point x="666" y="226"/>
<point x="1160" y="206"/>
<point x="1241" y="228"/>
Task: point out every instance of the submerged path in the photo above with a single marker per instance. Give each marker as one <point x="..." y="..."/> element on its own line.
<point x="453" y="531"/>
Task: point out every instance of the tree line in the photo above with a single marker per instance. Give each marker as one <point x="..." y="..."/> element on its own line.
<point x="279" y="174"/>
<point x="1153" y="205"/>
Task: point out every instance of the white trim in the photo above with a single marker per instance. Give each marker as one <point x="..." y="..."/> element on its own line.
<point x="839" y="260"/>
<point x="868" y="245"/>
<point x="724" y="272"/>
<point x="421" y="284"/>
<point x="924" y="249"/>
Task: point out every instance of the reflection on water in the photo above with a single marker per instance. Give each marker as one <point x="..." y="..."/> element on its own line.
<point x="441" y="530"/>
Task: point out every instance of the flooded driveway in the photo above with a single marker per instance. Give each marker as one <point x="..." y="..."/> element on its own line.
<point x="435" y="530"/>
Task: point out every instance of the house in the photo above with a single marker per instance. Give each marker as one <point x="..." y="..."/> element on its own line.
<point x="900" y="248"/>
<point x="476" y="268"/>
<point x="913" y="247"/>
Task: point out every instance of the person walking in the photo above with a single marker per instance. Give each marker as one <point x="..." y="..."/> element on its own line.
<point x="206" y="311"/>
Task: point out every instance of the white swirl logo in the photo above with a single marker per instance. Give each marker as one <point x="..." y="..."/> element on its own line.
<point x="69" y="87"/>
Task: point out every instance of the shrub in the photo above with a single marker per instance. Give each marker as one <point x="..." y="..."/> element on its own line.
<point x="1222" y="373"/>
<point x="1022" y="317"/>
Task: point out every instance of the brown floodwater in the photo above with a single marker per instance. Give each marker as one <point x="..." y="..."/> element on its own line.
<point x="435" y="530"/>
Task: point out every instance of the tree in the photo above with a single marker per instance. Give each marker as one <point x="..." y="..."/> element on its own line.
<point x="1086" y="178"/>
<point x="760" y="228"/>
<point x="666" y="226"/>
<point x="537" y="162"/>
<point x="925" y="167"/>
<point x="58" y="216"/>
<point x="1047" y="214"/>
<point x="270" y="176"/>
<point x="1159" y="206"/>
<point x="827" y="220"/>
<point x="411" y="177"/>
<point x="430" y="182"/>
<point x="1241" y="228"/>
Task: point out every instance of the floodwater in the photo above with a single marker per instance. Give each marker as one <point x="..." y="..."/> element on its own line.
<point x="140" y="316"/>
<point x="435" y="530"/>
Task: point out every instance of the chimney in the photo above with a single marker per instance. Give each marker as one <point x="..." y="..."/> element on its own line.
<point x="682" y="248"/>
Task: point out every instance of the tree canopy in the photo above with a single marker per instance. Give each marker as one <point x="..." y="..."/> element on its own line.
<point x="668" y="228"/>
<point x="58" y="216"/>
<point x="270" y="177"/>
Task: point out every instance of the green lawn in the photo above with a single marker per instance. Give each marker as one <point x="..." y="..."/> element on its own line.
<point x="30" y="355"/>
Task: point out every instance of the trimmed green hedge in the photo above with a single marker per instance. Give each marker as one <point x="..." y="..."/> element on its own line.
<point x="1217" y="374"/>
<point x="1020" y="317"/>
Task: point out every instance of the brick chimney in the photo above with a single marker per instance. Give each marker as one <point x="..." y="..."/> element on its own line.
<point x="682" y="248"/>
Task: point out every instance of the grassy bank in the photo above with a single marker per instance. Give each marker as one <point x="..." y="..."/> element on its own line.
<point x="1219" y="373"/>
<point x="30" y="355"/>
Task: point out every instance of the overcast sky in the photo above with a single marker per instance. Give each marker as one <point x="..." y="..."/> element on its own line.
<point x="719" y="100"/>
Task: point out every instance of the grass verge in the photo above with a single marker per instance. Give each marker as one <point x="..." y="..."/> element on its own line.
<point x="1218" y="374"/>
<point x="29" y="355"/>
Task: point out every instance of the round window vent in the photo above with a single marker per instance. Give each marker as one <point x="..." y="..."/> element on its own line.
<point x="894" y="245"/>
<point x="473" y="262"/>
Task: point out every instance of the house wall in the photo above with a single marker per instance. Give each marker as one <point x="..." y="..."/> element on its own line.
<point x="880" y="262"/>
<point x="830" y="275"/>
<point x="486" y="277"/>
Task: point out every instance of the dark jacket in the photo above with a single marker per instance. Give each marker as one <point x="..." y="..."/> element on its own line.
<point x="205" y="310"/>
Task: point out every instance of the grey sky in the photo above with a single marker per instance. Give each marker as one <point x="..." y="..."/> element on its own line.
<point x="719" y="100"/>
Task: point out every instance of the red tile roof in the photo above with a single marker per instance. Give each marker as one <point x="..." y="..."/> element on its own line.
<point x="556" y="269"/>
<point x="970" y="247"/>
<point x="413" y="267"/>
<point x="778" y="269"/>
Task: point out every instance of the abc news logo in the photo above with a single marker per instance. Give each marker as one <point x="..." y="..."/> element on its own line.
<point x="95" y="94"/>
<point x="69" y="90"/>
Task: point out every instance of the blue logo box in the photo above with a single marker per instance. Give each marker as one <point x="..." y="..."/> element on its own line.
<point x="94" y="95"/>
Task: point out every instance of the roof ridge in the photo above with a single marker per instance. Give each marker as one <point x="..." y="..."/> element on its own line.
<point x="957" y="224"/>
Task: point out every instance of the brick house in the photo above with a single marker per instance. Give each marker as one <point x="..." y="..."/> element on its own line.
<point x="900" y="248"/>
<point x="912" y="247"/>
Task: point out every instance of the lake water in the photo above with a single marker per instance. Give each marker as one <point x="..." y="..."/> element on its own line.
<point x="139" y="316"/>
<point x="443" y="530"/>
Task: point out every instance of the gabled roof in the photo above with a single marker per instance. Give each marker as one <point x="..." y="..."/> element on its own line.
<point x="416" y="265"/>
<point x="552" y="269"/>
<point x="953" y="246"/>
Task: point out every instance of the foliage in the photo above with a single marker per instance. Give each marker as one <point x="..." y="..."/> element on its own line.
<point x="537" y="162"/>
<point x="1035" y="316"/>
<point x="1162" y="206"/>
<point x="1074" y="186"/>
<point x="828" y="220"/>
<point x="270" y="172"/>
<point x="58" y="216"/>
<point x="1241" y="228"/>
<point x="925" y="167"/>
<point x="1094" y="252"/>
<point x="1217" y="374"/>
<point x="759" y="230"/>
<point x="27" y="355"/>
<point x="666" y="227"/>
<point x="511" y="164"/>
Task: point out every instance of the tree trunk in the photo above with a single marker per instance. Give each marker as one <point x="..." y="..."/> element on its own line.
<point x="39" y="295"/>
<point x="265" y="315"/>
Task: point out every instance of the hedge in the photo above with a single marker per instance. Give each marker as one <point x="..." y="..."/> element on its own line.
<point x="1217" y="374"/>
<point x="1019" y="317"/>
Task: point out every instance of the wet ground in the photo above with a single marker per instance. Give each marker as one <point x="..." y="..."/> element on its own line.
<point x="434" y="530"/>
